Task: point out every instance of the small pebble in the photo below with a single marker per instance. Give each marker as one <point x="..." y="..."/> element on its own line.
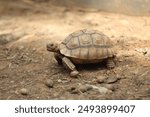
<point x="49" y="83"/>
<point x="100" y="79"/>
<point x="12" y="81"/>
<point x="59" y="80"/>
<point x="24" y="91"/>
<point x="34" y="49"/>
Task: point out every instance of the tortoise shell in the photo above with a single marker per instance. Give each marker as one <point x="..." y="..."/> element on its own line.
<point x="87" y="45"/>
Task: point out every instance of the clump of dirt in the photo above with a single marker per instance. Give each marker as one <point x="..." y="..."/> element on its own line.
<point x="26" y="64"/>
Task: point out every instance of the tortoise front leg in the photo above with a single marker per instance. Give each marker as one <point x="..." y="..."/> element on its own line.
<point x="70" y="66"/>
<point x="110" y="63"/>
<point x="58" y="57"/>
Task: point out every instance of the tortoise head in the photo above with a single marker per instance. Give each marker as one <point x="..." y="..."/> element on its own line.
<point x="52" y="47"/>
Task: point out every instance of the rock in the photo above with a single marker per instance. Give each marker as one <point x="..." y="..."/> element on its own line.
<point x="111" y="80"/>
<point x="49" y="83"/>
<point x="100" y="79"/>
<point x="85" y="88"/>
<point x="102" y="90"/>
<point x="79" y="88"/>
<point x="74" y="90"/>
<point x="24" y="91"/>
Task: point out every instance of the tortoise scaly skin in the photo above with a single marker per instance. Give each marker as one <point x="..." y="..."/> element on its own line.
<point x="83" y="47"/>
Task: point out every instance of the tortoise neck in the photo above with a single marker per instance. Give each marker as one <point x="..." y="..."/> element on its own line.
<point x="57" y="51"/>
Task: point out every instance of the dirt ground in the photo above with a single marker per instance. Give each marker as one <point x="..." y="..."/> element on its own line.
<point x="26" y="65"/>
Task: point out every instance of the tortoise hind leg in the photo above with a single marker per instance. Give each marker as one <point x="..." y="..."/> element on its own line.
<point x="110" y="64"/>
<point x="70" y="66"/>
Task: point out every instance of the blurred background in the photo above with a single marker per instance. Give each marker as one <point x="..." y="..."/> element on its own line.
<point x="130" y="7"/>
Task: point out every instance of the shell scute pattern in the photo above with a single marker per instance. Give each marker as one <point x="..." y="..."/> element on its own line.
<point x="87" y="44"/>
<point x="73" y="43"/>
<point x="100" y="40"/>
<point x="76" y="53"/>
<point x="84" y="53"/>
<point x="67" y="39"/>
<point x="85" y="40"/>
<point x="92" y="53"/>
<point x="96" y="40"/>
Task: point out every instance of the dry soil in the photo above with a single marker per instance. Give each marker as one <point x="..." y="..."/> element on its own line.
<point x="26" y="64"/>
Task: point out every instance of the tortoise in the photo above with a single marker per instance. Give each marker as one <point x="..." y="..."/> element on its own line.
<point x="83" y="47"/>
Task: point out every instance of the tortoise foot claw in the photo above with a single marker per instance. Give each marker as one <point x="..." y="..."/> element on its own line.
<point x="74" y="73"/>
